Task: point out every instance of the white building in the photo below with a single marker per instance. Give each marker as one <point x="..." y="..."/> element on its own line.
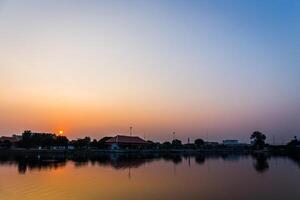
<point x="230" y="142"/>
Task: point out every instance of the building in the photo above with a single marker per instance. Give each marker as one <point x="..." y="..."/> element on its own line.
<point x="213" y="144"/>
<point x="126" y="142"/>
<point x="8" y="142"/>
<point x="12" y="139"/>
<point x="57" y="147"/>
<point x="230" y="142"/>
<point x="71" y="147"/>
<point x="235" y="144"/>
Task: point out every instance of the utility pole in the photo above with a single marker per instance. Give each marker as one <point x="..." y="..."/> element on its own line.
<point x="130" y="130"/>
<point x="174" y="135"/>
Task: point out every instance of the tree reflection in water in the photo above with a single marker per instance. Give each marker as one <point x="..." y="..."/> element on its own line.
<point x="45" y="161"/>
<point x="200" y="159"/>
<point x="261" y="163"/>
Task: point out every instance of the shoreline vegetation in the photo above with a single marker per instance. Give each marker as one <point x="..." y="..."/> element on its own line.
<point x="39" y="151"/>
<point x="48" y="142"/>
<point x="134" y="151"/>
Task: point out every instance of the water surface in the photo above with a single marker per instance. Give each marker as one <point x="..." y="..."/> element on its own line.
<point x="150" y="176"/>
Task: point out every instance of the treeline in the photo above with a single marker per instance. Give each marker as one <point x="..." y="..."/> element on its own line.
<point x="46" y="141"/>
<point x="32" y="140"/>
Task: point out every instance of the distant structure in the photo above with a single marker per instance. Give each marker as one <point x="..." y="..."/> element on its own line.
<point x="130" y="130"/>
<point x="211" y="144"/>
<point x="125" y="142"/>
<point x="230" y="142"/>
<point x="235" y="144"/>
<point x="12" y="139"/>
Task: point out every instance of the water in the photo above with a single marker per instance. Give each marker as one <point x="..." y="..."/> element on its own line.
<point x="152" y="176"/>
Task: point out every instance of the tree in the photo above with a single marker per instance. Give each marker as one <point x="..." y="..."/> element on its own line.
<point x="26" y="139"/>
<point x="199" y="142"/>
<point x="258" y="139"/>
<point x="26" y="134"/>
<point x="61" y="141"/>
<point x="166" y="145"/>
<point x="176" y="143"/>
<point x="94" y="143"/>
<point x="151" y="144"/>
<point x="33" y="140"/>
<point x="6" y="144"/>
<point x="294" y="142"/>
<point x="82" y="143"/>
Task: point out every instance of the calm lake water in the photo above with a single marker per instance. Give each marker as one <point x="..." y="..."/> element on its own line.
<point x="153" y="176"/>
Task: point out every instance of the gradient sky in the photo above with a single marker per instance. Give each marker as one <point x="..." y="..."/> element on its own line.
<point x="210" y="69"/>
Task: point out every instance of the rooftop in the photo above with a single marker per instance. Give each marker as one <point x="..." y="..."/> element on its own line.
<point x="126" y="139"/>
<point x="14" y="138"/>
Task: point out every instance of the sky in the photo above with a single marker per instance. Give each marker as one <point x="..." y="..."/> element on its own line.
<point x="204" y="69"/>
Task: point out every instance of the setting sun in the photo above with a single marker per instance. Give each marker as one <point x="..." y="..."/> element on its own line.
<point x="61" y="132"/>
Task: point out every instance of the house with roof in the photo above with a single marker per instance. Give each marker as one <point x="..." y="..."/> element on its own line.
<point x="9" y="141"/>
<point x="12" y="139"/>
<point x="126" y="142"/>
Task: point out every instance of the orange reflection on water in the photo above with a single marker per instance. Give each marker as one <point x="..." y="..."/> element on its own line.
<point x="172" y="177"/>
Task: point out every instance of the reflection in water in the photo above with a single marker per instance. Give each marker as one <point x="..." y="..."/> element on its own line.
<point x="171" y="176"/>
<point x="200" y="159"/>
<point x="43" y="161"/>
<point x="32" y="161"/>
<point x="295" y="158"/>
<point x="30" y="164"/>
<point x="261" y="164"/>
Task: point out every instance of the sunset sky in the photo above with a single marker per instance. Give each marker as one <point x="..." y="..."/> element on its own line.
<point x="209" y="69"/>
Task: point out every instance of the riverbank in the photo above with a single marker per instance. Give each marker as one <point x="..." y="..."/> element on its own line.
<point x="136" y="151"/>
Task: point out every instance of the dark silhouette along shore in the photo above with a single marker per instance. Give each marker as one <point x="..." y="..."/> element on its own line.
<point x="31" y="141"/>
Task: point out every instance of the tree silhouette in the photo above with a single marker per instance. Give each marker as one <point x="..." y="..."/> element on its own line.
<point x="200" y="159"/>
<point x="294" y="142"/>
<point x="166" y="145"/>
<point x="176" y="143"/>
<point x="199" y="142"/>
<point x="259" y="139"/>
